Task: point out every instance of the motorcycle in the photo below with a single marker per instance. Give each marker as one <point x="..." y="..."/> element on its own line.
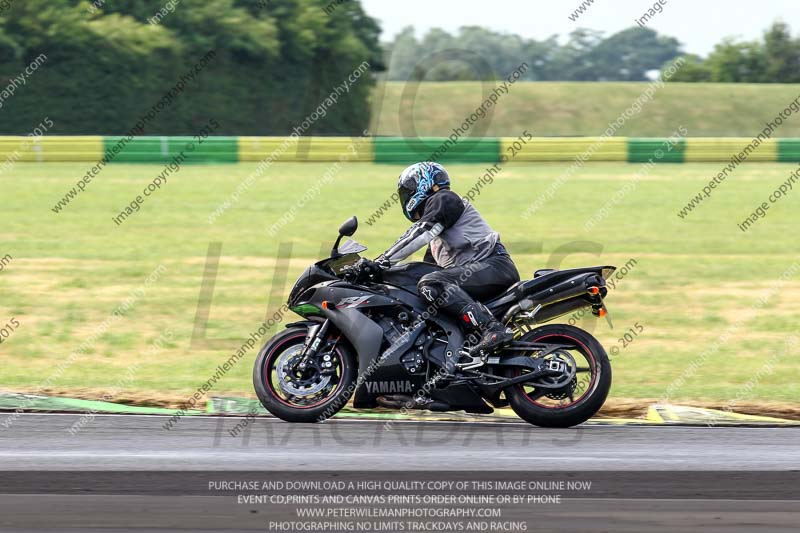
<point x="367" y="334"/>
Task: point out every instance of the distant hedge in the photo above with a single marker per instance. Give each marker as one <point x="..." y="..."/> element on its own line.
<point x="259" y="67"/>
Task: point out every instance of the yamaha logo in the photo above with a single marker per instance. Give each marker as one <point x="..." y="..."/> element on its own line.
<point x="375" y="387"/>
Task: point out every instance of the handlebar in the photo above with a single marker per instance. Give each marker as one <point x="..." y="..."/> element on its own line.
<point x="363" y="269"/>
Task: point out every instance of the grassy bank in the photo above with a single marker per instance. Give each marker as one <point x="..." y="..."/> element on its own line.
<point x="583" y="109"/>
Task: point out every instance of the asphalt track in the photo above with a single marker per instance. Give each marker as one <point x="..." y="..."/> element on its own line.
<point x="113" y="442"/>
<point x="203" y="446"/>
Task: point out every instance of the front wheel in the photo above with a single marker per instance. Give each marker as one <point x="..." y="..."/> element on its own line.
<point x="310" y="395"/>
<point x="580" y="398"/>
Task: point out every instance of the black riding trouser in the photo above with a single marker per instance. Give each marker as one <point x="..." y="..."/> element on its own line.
<point x="452" y="289"/>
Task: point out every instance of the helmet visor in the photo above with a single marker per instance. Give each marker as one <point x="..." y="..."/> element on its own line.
<point x="405" y="195"/>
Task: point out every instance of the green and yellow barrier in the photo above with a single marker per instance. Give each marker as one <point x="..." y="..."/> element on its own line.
<point x="49" y="149"/>
<point x="165" y="149"/>
<point x="320" y="149"/>
<point x="723" y="148"/>
<point x="393" y="150"/>
<point x="788" y="150"/>
<point x="443" y="150"/>
<point x="656" y="150"/>
<point x="564" y="149"/>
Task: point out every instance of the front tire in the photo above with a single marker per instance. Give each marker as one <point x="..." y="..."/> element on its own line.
<point x="586" y="393"/>
<point x="288" y="395"/>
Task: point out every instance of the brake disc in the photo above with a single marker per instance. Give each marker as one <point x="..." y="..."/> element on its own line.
<point x="292" y="384"/>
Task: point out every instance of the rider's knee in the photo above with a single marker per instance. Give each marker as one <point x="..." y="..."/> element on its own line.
<point x="430" y="289"/>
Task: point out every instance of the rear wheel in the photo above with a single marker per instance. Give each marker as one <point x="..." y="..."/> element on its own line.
<point x="579" y="398"/>
<point x="310" y="395"/>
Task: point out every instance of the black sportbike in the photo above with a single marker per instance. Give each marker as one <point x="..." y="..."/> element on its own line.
<point x="367" y="334"/>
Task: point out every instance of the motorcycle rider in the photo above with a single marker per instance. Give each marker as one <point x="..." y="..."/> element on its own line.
<point x="475" y="265"/>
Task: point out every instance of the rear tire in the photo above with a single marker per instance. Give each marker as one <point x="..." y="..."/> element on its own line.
<point x="281" y="406"/>
<point x="586" y="405"/>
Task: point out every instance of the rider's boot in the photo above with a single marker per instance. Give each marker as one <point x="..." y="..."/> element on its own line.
<point x="493" y="334"/>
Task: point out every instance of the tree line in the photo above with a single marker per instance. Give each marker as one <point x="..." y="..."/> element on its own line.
<point x="775" y="58"/>
<point x="274" y="62"/>
<point x="633" y="54"/>
<point x="108" y="62"/>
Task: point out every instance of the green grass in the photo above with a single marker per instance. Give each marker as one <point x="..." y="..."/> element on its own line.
<point x="692" y="279"/>
<point x="584" y="109"/>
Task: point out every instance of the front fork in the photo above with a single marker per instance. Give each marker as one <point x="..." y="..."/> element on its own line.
<point x="315" y="336"/>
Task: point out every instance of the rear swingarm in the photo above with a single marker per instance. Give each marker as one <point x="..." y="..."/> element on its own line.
<point x="538" y="368"/>
<point x="542" y="349"/>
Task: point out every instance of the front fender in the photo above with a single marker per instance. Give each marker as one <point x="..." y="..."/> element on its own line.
<point x="305" y="323"/>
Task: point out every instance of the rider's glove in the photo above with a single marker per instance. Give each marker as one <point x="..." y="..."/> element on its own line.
<point x="382" y="262"/>
<point x="371" y="268"/>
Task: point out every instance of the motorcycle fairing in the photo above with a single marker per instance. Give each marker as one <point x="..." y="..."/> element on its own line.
<point x="367" y="337"/>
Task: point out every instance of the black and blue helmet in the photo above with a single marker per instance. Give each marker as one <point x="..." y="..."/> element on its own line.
<point x="417" y="183"/>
